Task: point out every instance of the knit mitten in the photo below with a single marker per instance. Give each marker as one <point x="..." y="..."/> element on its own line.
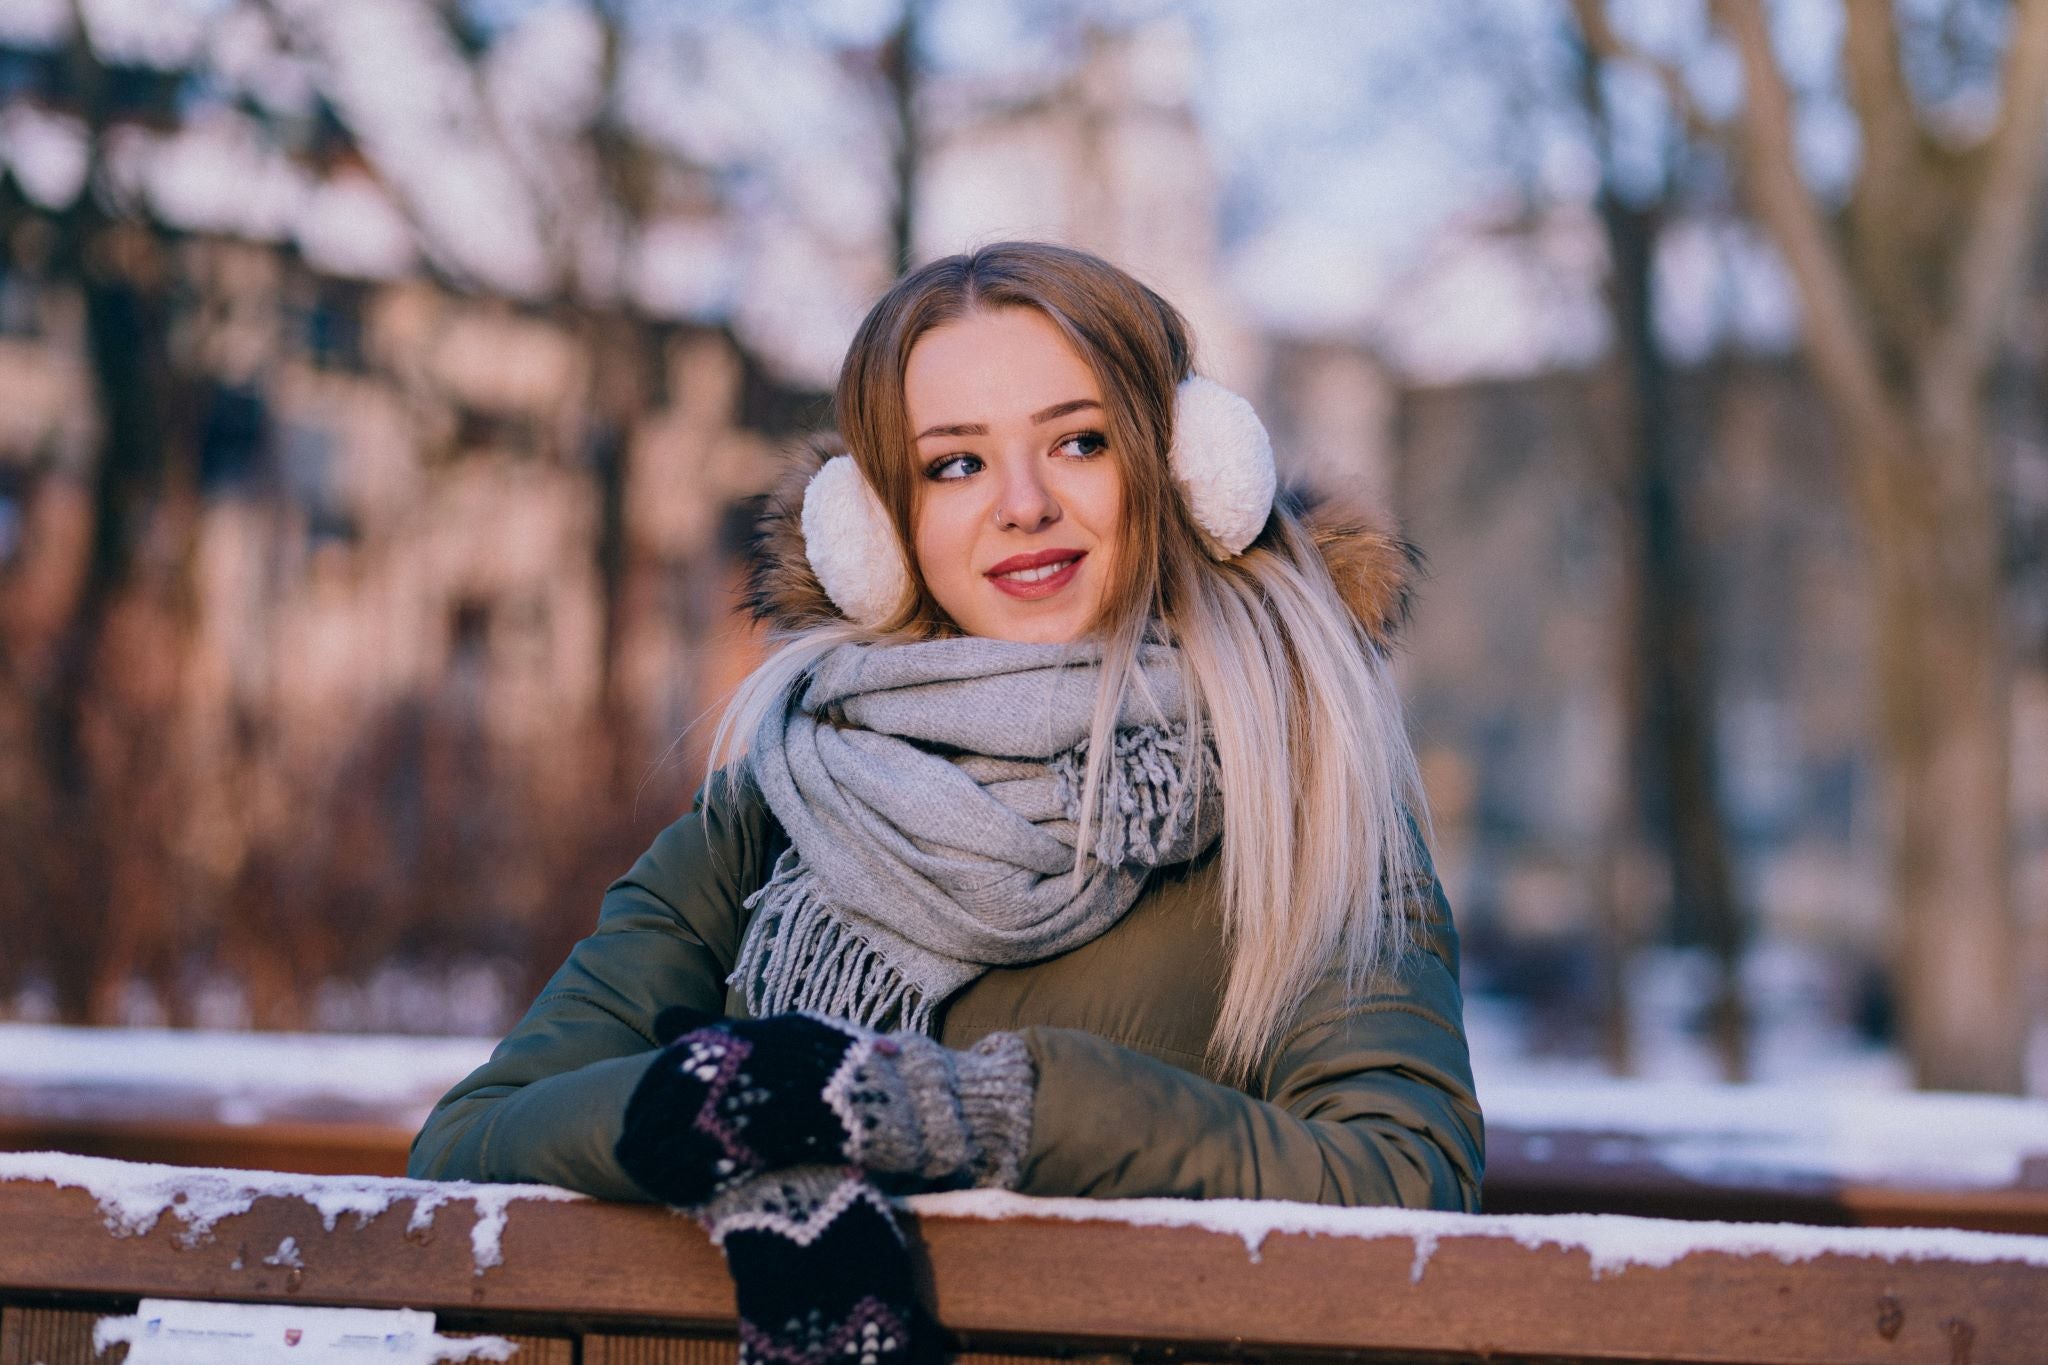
<point x="821" y="1271"/>
<point x="730" y="1099"/>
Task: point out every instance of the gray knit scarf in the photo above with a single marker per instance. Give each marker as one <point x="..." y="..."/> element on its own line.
<point x="931" y="793"/>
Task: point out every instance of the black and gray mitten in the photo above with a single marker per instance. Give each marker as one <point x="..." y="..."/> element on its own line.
<point x="728" y="1099"/>
<point x="769" y="1131"/>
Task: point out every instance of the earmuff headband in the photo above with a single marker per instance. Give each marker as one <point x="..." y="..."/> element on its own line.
<point x="1221" y="457"/>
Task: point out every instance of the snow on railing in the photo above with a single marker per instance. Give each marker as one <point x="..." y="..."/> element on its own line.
<point x="1611" y="1242"/>
<point x="1063" y="1274"/>
<point x="134" y="1196"/>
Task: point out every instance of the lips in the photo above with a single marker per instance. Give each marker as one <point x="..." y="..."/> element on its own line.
<point x="1058" y="566"/>
<point x="1035" y="559"/>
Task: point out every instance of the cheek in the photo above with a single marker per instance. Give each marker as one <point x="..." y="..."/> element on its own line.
<point x="1099" y="499"/>
<point x="942" y="543"/>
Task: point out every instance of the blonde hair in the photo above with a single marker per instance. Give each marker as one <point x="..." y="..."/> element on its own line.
<point x="1317" y="777"/>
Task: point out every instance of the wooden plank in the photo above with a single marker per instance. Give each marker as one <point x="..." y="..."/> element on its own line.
<point x="1091" y="1286"/>
<point x="564" y="1266"/>
<point x="1486" y="1295"/>
<point x="638" y="1350"/>
<point x="52" y="1336"/>
<point x="533" y="1350"/>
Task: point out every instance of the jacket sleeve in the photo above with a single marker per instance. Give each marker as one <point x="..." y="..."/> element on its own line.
<point x="1364" y="1100"/>
<point x="549" y="1104"/>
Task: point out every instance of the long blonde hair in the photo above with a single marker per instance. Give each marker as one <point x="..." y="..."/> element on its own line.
<point x="1317" y="777"/>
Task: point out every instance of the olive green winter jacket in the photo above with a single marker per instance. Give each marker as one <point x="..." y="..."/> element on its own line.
<point x="1365" y="1100"/>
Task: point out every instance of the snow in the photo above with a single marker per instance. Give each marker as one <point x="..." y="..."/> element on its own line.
<point x="1611" y="1242"/>
<point x="1730" y="1134"/>
<point x="134" y="1196"/>
<point x="246" y="1072"/>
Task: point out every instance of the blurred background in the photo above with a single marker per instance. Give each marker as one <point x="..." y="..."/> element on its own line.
<point x="384" y="386"/>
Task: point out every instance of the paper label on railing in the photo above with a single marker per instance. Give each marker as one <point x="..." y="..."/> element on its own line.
<point x="181" y="1332"/>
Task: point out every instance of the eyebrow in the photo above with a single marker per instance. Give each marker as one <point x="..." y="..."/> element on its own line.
<point x="1037" y="419"/>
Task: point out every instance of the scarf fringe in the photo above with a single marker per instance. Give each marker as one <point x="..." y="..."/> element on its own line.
<point x="800" y="955"/>
<point x="1145" y="810"/>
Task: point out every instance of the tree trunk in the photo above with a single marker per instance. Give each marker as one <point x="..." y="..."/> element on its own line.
<point x="1908" y="394"/>
<point x="1945" y="736"/>
<point x="902" y="66"/>
<point x="1673" y="724"/>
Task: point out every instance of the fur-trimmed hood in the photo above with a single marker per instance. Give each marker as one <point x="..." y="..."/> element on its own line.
<point x="1374" y="567"/>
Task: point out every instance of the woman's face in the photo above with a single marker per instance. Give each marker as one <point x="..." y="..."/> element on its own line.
<point x="1018" y="499"/>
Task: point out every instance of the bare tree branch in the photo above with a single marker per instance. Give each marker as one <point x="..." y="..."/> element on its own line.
<point x="1838" y="340"/>
<point x="1992" y="254"/>
<point x="1886" y="209"/>
<point x="1878" y="93"/>
<point x="1609" y="46"/>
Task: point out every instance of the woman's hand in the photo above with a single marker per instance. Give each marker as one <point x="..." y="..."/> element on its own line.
<point x="730" y="1099"/>
<point x="767" y="1130"/>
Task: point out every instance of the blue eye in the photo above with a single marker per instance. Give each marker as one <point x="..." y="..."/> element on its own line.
<point x="1093" y="442"/>
<point x="937" y="469"/>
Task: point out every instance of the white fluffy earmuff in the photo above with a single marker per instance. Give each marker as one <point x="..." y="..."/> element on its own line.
<point x="851" y="546"/>
<point x="1221" y="457"/>
<point x="1224" y="461"/>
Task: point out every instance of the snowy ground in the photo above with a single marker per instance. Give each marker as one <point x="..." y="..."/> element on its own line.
<point x="234" y="1077"/>
<point x="1799" y="1037"/>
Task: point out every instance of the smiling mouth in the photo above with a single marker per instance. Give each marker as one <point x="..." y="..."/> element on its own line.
<point x="1039" y="574"/>
<point x="1038" y="580"/>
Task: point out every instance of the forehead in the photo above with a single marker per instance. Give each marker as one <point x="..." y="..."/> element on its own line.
<point x="991" y="366"/>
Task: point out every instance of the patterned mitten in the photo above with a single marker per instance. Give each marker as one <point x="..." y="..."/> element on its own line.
<point x="730" y="1099"/>
<point x="821" y="1271"/>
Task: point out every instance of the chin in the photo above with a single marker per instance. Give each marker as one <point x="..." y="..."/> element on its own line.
<point x="1043" y="634"/>
<point x="1005" y="622"/>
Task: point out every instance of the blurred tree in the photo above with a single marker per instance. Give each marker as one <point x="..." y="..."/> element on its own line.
<point x="903" y="67"/>
<point x="1668" y="691"/>
<point x="644" y="183"/>
<point x="1904" y="280"/>
<point x="102" y="749"/>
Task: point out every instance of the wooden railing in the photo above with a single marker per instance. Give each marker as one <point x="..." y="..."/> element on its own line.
<point x="1021" y="1280"/>
<point x="1529" y="1169"/>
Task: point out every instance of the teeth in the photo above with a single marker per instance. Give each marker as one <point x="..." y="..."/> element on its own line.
<point x="1039" y="574"/>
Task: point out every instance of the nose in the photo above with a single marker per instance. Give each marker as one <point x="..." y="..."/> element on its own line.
<point x="1024" y="500"/>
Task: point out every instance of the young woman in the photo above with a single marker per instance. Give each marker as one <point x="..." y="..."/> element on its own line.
<point x="1064" y="844"/>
